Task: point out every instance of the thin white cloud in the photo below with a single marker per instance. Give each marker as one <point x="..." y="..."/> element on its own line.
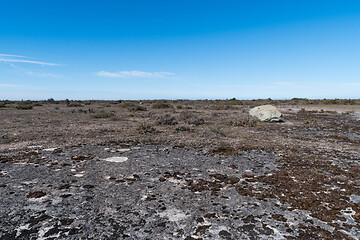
<point x="8" y="85"/>
<point x="46" y="75"/>
<point x="134" y="74"/>
<point x="5" y="60"/>
<point x="283" y="83"/>
<point x="11" y="58"/>
<point x="11" y="55"/>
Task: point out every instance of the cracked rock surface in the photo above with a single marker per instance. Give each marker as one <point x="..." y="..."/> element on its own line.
<point x="159" y="192"/>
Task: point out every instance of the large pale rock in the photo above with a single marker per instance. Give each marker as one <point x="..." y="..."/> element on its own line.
<point x="266" y="113"/>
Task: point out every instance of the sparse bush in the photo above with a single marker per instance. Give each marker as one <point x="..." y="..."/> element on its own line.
<point x="146" y="128"/>
<point x="50" y="100"/>
<point x="166" y="120"/>
<point x="234" y="101"/>
<point x="161" y="106"/>
<point x="115" y="118"/>
<point x="27" y="102"/>
<point x="223" y="107"/>
<point x="183" y="128"/>
<point x="103" y="115"/>
<point x="348" y="112"/>
<point x="243" y="120"/>
<point x="223" y="149"/>
<point x="338" y="101"/>
<point x="348" y="102"/>
<point x="24" y="107"/>
<point x="213" y="132"/>
<point x="328" y="111"/>
<point x="128" y="105"/>
<point x="310" y="121"/>
<point x="185" y="115"/>
<point x="8" y="102"/>
<point x="304" y="111"/>
<point x="74" y="104"/>
<point x="107" y="105"/>
<point x="2" y="105"/>
<point x="137" y="109"/>
<point x="195" y="121"/>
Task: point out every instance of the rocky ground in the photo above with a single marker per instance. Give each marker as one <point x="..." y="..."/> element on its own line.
<point x="204" y="170"/>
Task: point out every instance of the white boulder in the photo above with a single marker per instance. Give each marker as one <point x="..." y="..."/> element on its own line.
<point x="266" y="113"/>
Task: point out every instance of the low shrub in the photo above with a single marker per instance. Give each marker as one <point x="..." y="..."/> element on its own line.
<point x="196" y="121"/>
<point x="103" y="115"/>
<point x="128" y="105"/>
<point x="74" y="104"/>
<point x="161" y="106"/>
<point x="213" y="132"/>
<point x="223" y="149"/>
<point x="243" y="120"/>
<point x="166" y="120"/>
<point x="183" y="128"/>
<point x="50" y="100"/>
<point x="137" y="109"/>
<point x="146" y="128"/>
<point x="24" y="107"/>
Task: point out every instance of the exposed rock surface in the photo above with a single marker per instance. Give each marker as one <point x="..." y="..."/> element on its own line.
<point x="158" y="193"/>
<point x="266" y="113"/>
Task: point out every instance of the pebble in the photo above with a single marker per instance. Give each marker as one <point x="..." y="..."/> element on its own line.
<point x="116" y="159"/>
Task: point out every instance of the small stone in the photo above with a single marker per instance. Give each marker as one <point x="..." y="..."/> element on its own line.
<point x="123" y="150"/>
<point x="116" y="159"/>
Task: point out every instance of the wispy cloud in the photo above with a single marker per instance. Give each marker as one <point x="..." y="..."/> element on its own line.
<point x="10" y="58"/>
<point x="283" y="83"/>
<point x="8" y="85"/>
<point x="46" y="75"/>
<point x="134" y="74"/>
<point x="11" y="55"/>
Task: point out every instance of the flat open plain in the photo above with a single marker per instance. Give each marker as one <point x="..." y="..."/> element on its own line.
<point x="179" y="170"/>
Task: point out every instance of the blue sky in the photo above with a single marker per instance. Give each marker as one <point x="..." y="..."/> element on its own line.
<point x="199" y="49"/>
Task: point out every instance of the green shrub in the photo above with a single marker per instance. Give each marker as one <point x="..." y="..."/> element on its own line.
<point x="24" y="107"/>
<point x="50" y="100"/>
<point x="128" y="105"/>
<point x="348" y="102"/>
<point x="103" y="115"/>
<point x="161" y="106"/>
<point x="146" y="128"/>
<point x="137" y="109"/>
<point x="223" y="149"/>
<point x="243" y="120"/>
<point x="166" y="120"/>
